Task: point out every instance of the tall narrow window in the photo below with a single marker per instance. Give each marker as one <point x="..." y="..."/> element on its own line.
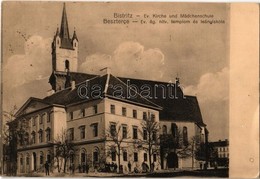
<point x="71" y="115"/>
<point x="113" y="155"/>
<point x="95" y="129"/>
<point x="49" y="117"/>
<point x="67" y="64"/>
<point x="41" y="158"/>
<point x="123" y="111"/>
<point x="41" y="118"/>
<point x="135" y="133"/>
<point x="134" y="114"/>
<point x="95" y="156"/>
<point x="145" y="157"/>
<point x="164" y="129"/>
<point x="112" y="109"/>
<point x="82" y="113"/>
<point x="124" y="132"/>
<point x="185" y="136"/>
<point x="154" y="157"/>
<point x="124" y="155"/>
<point x="152" y="117"/>
<point x="135" y="156"/>
<point x="34" y="120"/>
<point x="71" y="133"/>
<point x="82" y="132"/>
<point x="144" y="116"/>
<point x="144" y="134"/>
<point x="95" y="109"/>
<point x="113" y="129"/>
<point x="33" y="137"/>
<point x="40" y="136"/>
<point x="175" y="133"/>
<point x="48" y="134"/>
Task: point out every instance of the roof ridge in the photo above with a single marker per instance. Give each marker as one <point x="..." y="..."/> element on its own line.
<point x="137" y="92"/>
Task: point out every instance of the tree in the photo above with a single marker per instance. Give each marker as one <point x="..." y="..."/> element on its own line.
<point x="64" y="149"/>
<point x="151" y="139"/>
<point x="15" y="131"/>
<point x="116" y="134"/>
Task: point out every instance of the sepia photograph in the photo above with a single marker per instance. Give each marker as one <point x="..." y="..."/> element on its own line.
<point x="115" y="89"/>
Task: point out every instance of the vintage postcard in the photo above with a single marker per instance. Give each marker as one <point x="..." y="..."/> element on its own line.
<point x="123" y="89"/>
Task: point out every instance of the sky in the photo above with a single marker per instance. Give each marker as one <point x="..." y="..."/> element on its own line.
<point x="197" y="53"/>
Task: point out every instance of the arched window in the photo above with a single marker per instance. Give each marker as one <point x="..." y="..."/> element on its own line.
<point x="83" y="156"/>
<point x="164" y="129"/>
<point x="27" y="159"/>
<point x="67" y="64"/>
<point x="96" y="155"/>
<point x="40" y="136"/>
<point x="185" y="136"/>
<point x="33" y="137"/>
<point x="175" y="133"/>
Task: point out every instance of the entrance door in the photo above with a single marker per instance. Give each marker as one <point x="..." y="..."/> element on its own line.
<point x="172" y="160"/>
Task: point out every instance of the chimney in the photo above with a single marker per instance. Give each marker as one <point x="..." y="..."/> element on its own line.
<point x="73" y="85"/>
<point x="50" y="92"/>
<point x="105" y="71"/>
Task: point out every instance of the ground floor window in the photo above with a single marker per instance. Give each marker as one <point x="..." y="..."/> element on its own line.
<point x="113" y="156"/>
<point x="145" y="157"/>
<point x="135" y="156"/>
<point x="125" y="156"/>
<point x="154" y="157"/>
<point x="95" y="156"/>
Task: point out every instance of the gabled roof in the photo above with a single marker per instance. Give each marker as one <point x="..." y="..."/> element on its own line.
<point x="32" y="104"/>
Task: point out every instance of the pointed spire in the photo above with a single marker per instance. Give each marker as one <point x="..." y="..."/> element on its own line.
<point x="75" y="35"/>
<point x="64" y="30"/>
<point x="64" y="27"/>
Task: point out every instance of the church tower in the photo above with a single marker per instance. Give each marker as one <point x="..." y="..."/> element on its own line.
<point x="64" y="55"/>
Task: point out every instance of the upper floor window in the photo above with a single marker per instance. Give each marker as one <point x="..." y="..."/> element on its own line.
<point x="124" y="131"/>
<point x="154" y="136"/>
<point x="145" y="157"/>
<point x="40" y="136"/>
<point x="144" y="116"/>
<point x="134" y="113"/>
<point x="49" y="117"/>
<point x="82" y="132"/>
<point x="41" y="118"/>
<point x="33" y="137"/>
<point x="34" y="120"/>
<point x="71" y="115"/>
<point x="95" y="129"/>
<point x="123" y="111"/>
<point x="95" y="109"/>
<point x="112" y="109"/>
<point x="152" y="117"/>
<point x="135" y="135"/>
<point x="154" y="157"/>
<point x="113" y="129"/>
<point x="124" y="155"/>
<point x="48" y="134"/>
<point x="82" y="113"/>
<point x="71" y="134"/>
<point x="144" y="134"/>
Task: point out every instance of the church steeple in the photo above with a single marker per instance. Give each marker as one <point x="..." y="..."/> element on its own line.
<point x="64" y="30"/>
<point x="64" y="55"/>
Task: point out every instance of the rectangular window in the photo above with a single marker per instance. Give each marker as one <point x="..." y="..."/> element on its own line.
<point x="145" y="157"/>
<point x="41" y="159"/>
<point x="112" y="109"/>
<point x="144" y="116"/>
<point x="21" y="161"/>
<point x="135" y="156"/>
<point x="113" y="156"/>
<point x="95" y="130"/>
<point x="125" y="156"/>
<point x="82" y="132"/>
<point x="124" y="132"/>
<point x="82" y="113"/>
<point x="134" y="114"/>
<point x="135" y="133"/>
<point x="49" y="117"/>
<point x="71" y="115"/>
<point x="95" y="109"/>
<point x="144" y="134"/>
<point x="152" y="117"/>
<point x="154" y="136"/>
<point x="49" y="158"/>
<point x="48" y="135"/>
<point x="154" y="157"/>
<point x="123" y="111"/>
<point x="113" y="130"/>
<point x="27" y="160"/>
<point x="40" y="137"/>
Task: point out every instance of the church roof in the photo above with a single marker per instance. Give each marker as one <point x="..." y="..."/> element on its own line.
<point x="172" y="109"/>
